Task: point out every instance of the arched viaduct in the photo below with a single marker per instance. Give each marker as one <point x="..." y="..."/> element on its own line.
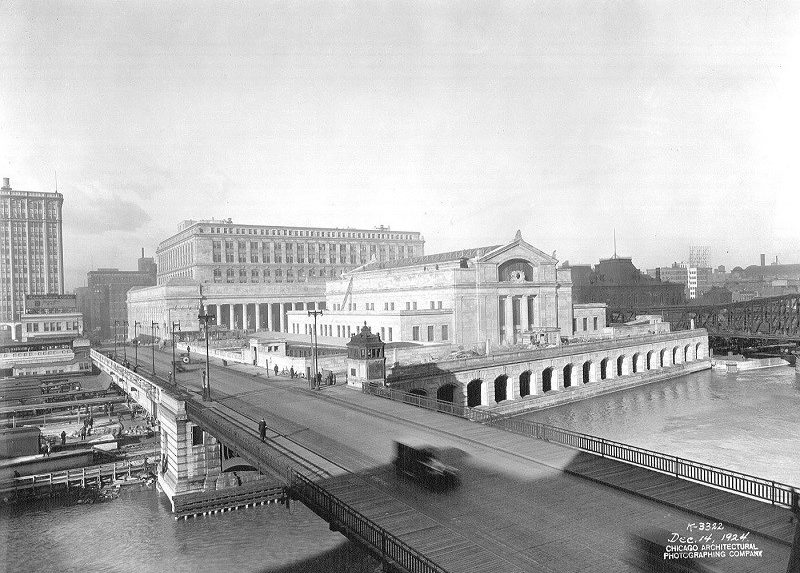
<point x="488" y="381"/>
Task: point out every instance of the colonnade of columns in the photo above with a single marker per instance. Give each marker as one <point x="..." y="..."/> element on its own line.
<point x="517" y="313"/>
<point x="271" y="316"/>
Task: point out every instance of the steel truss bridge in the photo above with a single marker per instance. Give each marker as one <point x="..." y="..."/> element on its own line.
<point x="775" y="318"/>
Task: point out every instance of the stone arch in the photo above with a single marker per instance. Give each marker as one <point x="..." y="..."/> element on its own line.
<point x="419" y="392"/>
<point x="547" y="379"/>
<point x="604" y="368"/>
<point x="501" y="388"/>
<point x="622" y="365"/>
<point x="525" y="383"/>
<point x="661" y="357"/>
<point x="650" y="365"/>
<point x="675" y="356"/>
<point x="687" y="353"/>
<point x="635" y="362"/>
<point x="446" y="392"/>
<point x="474" y="392"/>
<point x="568" y="375"/>
<point x="699" y="351"/>
<point x="588" y="372"/>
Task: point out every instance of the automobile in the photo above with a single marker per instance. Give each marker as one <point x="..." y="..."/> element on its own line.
<point x="422" y="465"/>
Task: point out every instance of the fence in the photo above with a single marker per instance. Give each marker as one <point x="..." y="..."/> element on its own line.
<point x="758" y="488"/>
<point x="339" y="514"/>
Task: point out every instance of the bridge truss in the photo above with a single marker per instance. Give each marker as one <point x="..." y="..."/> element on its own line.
<point x="771" y="318"/>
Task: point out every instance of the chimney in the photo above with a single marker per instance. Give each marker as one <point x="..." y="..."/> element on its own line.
<point x="763" y="260"/>
<point x="142" y="252"/>
<point x="6" y="184"/>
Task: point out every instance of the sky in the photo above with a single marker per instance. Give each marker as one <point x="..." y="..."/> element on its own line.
<point x="668" y="123"/>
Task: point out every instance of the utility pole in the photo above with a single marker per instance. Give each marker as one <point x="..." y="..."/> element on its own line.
<point x="125" y="342"/>
<point x="136" y="325"/>
<point x="315" y="313"/>
<point x="116" y="322"/>
<point x="205" y="317"/>
<point x="153" y="326"/>
<point x="174" y="379"/>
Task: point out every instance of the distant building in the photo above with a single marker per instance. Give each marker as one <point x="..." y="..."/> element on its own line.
<point x="51" y="316"/>
<point x="105" y="298"/>
<point x="31" y="248"/>
<point x="212" y="251"/>
<point x="695" y="280"/>
<point x="619" y="284"/>
<point x="502" y="295"/>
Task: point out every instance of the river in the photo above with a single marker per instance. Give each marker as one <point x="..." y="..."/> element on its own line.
<point x="748" y="422"/>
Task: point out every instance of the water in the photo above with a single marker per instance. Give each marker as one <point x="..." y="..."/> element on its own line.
<point x="137" y="532"/>
<point x="747" y="422"/>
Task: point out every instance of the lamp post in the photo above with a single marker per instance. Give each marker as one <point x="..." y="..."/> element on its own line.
<point x="153" y="327"/>
<point x="178" y="323"/>
<point x="116" y="322"/>
<point x="136" y="325"/>
<point x="205" y="317"/>
<point x="315" y="313"/>
<point x="125" y="342"/>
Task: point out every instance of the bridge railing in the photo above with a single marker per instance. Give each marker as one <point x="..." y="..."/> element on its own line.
<point x="754" y="487"/>
<point x="338" y="513"/>
<point x="351" y="522"/>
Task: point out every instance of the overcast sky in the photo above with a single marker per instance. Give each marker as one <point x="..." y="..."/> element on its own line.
<point x="674" y="122"/>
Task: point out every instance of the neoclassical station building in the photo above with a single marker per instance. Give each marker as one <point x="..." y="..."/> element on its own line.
<point x="501" y="295"/>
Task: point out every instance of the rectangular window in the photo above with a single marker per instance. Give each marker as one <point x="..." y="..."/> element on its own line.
<point x="595" y="322"/>
<point x="415" y="333"/>
<point x="440" y="304"/>
<point x="408" y="306"/>
<point x="433" y="305"/>
<point x="390" y="334"/>
<point x="197" y="436"/>
<point x="444" y="332"/>
<point x="430" y="334"/>
<point x="415" y="306"/>
<point x="574" y="325"/>
<point x="391" y="306"/>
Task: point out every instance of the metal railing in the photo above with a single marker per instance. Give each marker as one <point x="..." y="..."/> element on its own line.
<point x="302" y="487"/>
<point x="754" y="487"/>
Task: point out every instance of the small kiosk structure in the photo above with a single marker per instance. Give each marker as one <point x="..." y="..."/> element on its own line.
<point x="366" y="359"/>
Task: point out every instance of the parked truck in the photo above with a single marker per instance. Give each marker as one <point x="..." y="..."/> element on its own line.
<point x="422" y="465"/>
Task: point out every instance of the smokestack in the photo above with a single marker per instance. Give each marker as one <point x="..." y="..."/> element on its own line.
<point x="763" y="260"/>
<point x="6" y="183"/>
<point x="142" y="252"/>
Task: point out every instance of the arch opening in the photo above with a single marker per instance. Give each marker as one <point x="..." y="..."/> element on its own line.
<point x="547" y="379"/>
<point x="604" y="369"/>
<point x="568" y="376"/>
<point x="525" y="383"/>
<point x="446" y="392"/>
<point x="500" y="385"/>
<point x="474" y="393"/>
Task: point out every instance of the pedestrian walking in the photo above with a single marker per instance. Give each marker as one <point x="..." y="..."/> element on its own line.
<point x="262" y="429"/>
<point x="47" y="449"/>
<point x="276" y="370"/>
<point x="291" y="372"/>
<point x="83" y="432"/>
<point x="63" y="437"/>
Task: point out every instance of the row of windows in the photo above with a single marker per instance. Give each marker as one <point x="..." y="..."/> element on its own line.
<point x="430" y="331"/>
<point x="585" y="324"/>
<point x="434" y="305"/>
<point x="51" y="326"/>
<point x="254" y="275"/>
<point x="309" y="233"/>
<point x="302" y="251"/>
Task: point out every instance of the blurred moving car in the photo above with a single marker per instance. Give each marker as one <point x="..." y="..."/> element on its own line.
<point x="422" y="465"/>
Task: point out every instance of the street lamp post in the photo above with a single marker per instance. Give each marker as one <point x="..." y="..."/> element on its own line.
<point x="125" y="342"/>
<point x="116" y="322"/>
<point x="315" y="313"/>
<point x="178" y="323"/>
<point x="153" y="327"/>
<point x="136" y="325"/>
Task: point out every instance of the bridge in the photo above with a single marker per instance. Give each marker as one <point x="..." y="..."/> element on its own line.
<point x="528" y="502"/>
<point x="771" y="319"/>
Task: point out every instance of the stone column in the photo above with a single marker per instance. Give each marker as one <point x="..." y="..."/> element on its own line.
<point x="509" y="312"/>
<point x="525" y="312"/>
<point x="485" y="393"/>
<point x="231" y="316"/>
<point x="281" y="322"/>
<point x="258" y="316"/>
<point x="537" y="316"/>
<point x="512" y="388"/>
<point x="269" y="316"/>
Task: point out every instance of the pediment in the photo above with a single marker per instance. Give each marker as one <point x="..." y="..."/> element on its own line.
<point x="519" y="249"/>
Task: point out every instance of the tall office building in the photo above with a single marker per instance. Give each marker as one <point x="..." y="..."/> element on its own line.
<point x="31" y="248"/>
<point x="226" y="252"/>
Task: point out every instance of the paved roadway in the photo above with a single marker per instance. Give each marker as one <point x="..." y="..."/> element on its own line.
<point x="516" y="507"/>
